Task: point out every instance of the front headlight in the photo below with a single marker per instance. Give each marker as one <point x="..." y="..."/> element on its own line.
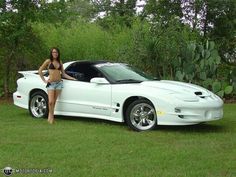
<point x="186" y="97"/>
<point x="213" y="95"/>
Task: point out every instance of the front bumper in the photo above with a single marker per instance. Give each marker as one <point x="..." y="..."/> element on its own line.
<point x="188" y="113"/>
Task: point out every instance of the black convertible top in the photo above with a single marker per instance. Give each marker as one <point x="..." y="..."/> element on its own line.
<point x="91" y="62"/>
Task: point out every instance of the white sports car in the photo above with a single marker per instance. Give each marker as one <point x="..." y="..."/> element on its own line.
<point x="118" y="92"/>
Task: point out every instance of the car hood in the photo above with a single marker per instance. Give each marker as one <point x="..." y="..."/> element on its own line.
<point x="177" y="87"/>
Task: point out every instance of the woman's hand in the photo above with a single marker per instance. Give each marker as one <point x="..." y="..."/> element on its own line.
<point x="46" y="81"/>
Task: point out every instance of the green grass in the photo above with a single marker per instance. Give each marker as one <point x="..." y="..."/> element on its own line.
<point x="88" y="147"/>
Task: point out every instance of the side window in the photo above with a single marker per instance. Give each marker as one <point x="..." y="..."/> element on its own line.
<point x="82" y="71"/>
<point x="71" y="71"/>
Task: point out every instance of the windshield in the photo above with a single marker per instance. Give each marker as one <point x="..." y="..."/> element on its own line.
<point x="118" y="72"/>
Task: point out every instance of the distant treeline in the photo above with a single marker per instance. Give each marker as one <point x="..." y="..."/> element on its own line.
<point x="199" y="49"/>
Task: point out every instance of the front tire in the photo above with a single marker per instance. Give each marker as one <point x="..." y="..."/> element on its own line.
<point x="38" y="104"/>
<point x="141" y="115"/>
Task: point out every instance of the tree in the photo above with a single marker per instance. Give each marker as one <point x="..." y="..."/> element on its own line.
<point x="163" y="11"/>
<point x="18" y="41"/>
<point x="82" y="9"/>
<point x="215" y="20"/>
<point x="222" y="15"/>
<point x="14" y="33"/>
<point x="116" y="12"/>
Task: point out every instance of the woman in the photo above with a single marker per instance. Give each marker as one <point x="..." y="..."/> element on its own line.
<point x="54" y="83"/>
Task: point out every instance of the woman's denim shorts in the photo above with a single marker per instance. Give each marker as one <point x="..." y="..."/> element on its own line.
<point x="55" y="85"/>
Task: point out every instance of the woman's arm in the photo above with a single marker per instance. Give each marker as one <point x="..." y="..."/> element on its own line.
<point x="41" y="68"/>
<point x="64" y="73"/>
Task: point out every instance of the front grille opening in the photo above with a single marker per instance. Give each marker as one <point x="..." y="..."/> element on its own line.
<point x="177" y="110"/>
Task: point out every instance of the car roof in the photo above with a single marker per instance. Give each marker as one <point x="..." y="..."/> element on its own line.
<point x="93" y="62"/>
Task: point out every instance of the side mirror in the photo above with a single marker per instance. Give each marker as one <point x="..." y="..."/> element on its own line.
<point x="99" y="80"/>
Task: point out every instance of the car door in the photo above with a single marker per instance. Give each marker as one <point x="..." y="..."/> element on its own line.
<point x="85" y="97"/>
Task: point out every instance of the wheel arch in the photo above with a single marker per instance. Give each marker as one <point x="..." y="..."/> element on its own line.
<point x="129" y="100"/>
<point x="33" y="91"/>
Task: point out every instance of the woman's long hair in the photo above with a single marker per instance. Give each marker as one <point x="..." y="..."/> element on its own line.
<point x="58" y="51"/>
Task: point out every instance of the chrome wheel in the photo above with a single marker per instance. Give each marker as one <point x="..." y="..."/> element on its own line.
<point x="143" y="116"/>
<point x="38" y="106"/>
<point x="140" y="115"/>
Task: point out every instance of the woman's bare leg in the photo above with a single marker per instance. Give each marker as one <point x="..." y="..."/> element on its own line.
<point x="51" y="103"/>
<point x="56" y="94"/>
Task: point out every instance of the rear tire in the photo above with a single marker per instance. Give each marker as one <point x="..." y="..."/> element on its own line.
<point x="141" y="115"/>
<point x="38" y="104"/>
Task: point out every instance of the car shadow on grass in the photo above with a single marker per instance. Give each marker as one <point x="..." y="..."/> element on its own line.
<point x="201" y="128"/>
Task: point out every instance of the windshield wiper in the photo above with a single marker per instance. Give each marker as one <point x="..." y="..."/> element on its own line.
<point x="156" y="79"/>
<point x="129" y="80"/>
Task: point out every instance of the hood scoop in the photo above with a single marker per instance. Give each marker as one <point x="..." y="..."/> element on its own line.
<point x="178" y="87"/>
<point x="201" y="95"/>
<point x="198" y="93"/>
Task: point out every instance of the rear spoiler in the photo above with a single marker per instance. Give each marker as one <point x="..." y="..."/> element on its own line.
<point x="35" y="72"/>
<point x="31" y="73"/>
